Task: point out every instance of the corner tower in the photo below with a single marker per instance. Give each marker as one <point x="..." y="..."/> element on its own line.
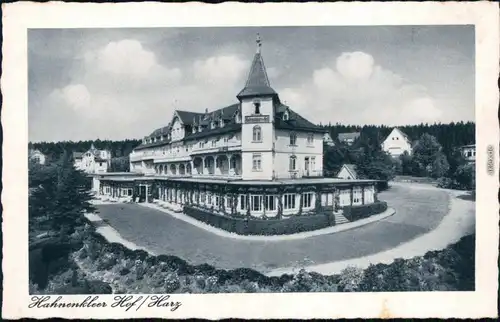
<point x="257" y="104"/>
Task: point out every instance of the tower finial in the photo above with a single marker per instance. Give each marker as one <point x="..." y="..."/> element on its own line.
<point x="259" y="43"/>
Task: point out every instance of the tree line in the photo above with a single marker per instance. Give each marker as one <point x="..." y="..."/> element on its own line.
<point x="119" y="150"/>
<point x="435" y="153"/>
<point x="449" y="136"/>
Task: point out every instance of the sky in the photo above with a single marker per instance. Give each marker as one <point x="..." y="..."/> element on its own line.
<point x="87" y="84"/>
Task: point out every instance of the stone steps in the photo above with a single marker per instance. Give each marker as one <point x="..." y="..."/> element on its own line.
<point x="340" y="219"/>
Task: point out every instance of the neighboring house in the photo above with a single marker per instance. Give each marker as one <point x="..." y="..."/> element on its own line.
<point x="348" y="171"/>
<point x="348" y="138"/>
<point x="469" y="152"/>
<point x="37" y="156"/>
<point x="256" y="157"/>
<point x="397" y="143"/>
<point x="328" y="140"/>
<point x="92" y="161"/>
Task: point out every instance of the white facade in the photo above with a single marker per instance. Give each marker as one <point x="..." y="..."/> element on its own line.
<point x="92" y="161"/>
<point x="469" y="152"/>
<point x="397" y="143"/>
<point x="37" y="156"/>
<point x="258" y="138"/>
<point x="347" y="173"/>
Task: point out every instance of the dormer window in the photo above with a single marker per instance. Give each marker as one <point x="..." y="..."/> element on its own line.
<point x="194" y="129"/>
<point x="285" y="116"/>
<point x="237" y="117"/>
<point x="221" y="123"/>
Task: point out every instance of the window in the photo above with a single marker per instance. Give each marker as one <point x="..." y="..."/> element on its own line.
<point x="357" y="196"/>
<point x="289" y="201"/>
<point x="469" y="153"/>
<point x="257" y="134"/>
<point x="270" y="203"/>
<point x="256" y="203"/>
<point x="285" y="116"/>
<point x="200" y="145"/>
<point x="293" y="161"/>
<point x="209" y="198"/>
<point x="307" y="200"/>
<point x="310" y="139"/>
<point x="244" y="200"/>
<point x="226" y="139"/>
<point x="107" y="190"/>
<point x="257" y="162"/>
<point x="257" y="107"/>
<point x="313" y="163"/>
<point x="306" y="163"/>
<point x="214" y="143"/>
<point x="293" y="139"/>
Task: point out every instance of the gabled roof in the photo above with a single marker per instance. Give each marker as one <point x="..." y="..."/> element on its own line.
<point x="401" y="132"/>
<point x="348" y="136"/>
<point x="188" y="117"/>
<point x="32" y="152"/>
<point x="77" y="155"/>
<point x="351" y="168"/>
<point x="257" y="82"/>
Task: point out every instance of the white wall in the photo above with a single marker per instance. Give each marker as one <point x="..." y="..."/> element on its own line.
<point x="302" y="149"/>
<point x="177" y="130"/>
<point x="344" y="174"/>
<point x="396" y="144"/>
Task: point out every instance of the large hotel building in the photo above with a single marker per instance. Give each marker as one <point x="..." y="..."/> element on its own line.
<point x="255" y="157"/>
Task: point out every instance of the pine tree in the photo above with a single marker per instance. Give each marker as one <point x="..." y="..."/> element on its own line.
<point x="72" y="198"/>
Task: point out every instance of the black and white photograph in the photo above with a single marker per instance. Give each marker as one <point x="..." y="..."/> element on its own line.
<point x="251" y="159"/>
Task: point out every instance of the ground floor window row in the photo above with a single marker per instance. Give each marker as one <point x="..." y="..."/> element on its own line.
<point x="269" y="203"/>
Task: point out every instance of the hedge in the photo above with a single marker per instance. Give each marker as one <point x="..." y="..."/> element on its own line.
<point x="353" y="213"/>
<point x="244" y="226"/>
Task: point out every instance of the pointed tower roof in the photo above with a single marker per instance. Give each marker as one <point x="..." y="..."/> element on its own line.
<point x="257" y="83"/>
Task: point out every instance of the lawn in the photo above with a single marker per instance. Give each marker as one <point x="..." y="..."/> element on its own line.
<point x="417" y="212"/>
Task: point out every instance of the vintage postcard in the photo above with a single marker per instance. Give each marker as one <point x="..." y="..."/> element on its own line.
<point x="250" y="160"/>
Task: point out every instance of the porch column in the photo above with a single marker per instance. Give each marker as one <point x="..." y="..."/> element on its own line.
<point x="280" y="203"/>
<point x="362" y="195"/>
<point x="249" y="203"/>
<point x="203" y="166"/>
<point x="351" y="194"/>
<point x="264" y="201"/>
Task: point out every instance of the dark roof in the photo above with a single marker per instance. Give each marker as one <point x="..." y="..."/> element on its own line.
<point x="77" y="155"/>
<point x="188" y="117"/>
<point x="294" y="122"/>
<point x="226" y="113"/>
<point x="257" y="82"/>
<point x="161" y="131"/>
<point x="403" y="133"/>
<point x="348" y="136"/>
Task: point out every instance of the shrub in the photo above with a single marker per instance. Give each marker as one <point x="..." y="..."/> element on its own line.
<point x="354" y="213"/>
<point x="350" y="279"/>
<point x="171" y="283"/>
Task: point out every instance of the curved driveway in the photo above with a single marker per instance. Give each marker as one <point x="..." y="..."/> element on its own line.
<point x="417" y="212"/>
